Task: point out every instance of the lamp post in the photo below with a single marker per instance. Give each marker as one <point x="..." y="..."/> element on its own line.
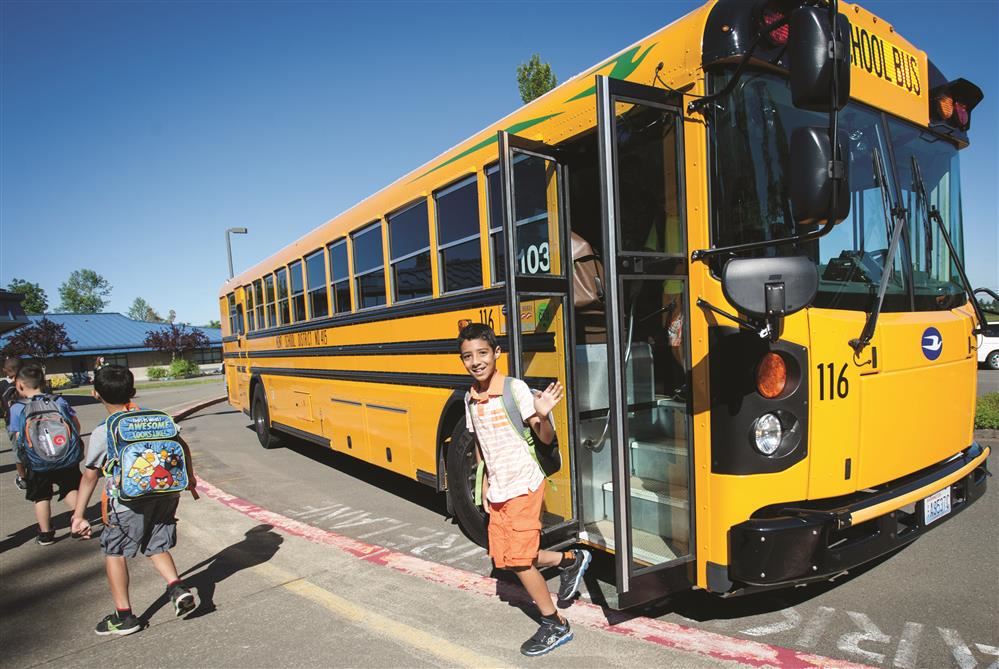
<point x="228" y="244"/>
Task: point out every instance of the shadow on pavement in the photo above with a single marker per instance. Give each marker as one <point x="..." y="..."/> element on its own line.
<point x="406" y="488"/>
<point x="60" y="521"/>
<point x="259" y="546"/>
<point x="80" y="400"/>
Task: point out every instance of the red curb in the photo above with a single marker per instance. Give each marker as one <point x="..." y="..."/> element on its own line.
<point x="195" y="408"/>
<point x="658" y="632"/>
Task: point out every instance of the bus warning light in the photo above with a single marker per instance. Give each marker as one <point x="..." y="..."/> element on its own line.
<point x="771" y="375"/>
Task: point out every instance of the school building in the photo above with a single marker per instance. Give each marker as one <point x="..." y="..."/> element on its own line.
<point x="120" y="340"/>
<point x="11" y="314"/>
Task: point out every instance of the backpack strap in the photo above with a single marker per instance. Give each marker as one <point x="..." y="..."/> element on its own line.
<point x="511" y="408"/>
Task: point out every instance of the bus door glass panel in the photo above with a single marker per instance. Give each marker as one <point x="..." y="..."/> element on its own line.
<point x="537" y="294"/>
<point x="646" y="501"/>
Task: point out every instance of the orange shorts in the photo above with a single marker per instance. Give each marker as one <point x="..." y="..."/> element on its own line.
<point x="515" y="529"/>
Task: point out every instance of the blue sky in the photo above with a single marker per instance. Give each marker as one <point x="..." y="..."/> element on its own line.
<point x="132" y="134"/>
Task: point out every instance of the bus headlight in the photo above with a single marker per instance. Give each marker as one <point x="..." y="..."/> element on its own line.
<point x="767" y="433"/>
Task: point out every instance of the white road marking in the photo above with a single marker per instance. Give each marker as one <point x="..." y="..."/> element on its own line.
<point x="850" y="642"/>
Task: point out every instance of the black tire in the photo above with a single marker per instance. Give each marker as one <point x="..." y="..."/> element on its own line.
<point x="262" y="419"/>
<point x="992" y="360"/>
<point x="461" y="482"/>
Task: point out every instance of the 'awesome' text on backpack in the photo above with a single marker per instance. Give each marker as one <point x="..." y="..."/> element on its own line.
<point x="144" y="459"/>
<point x="49" y="439"/>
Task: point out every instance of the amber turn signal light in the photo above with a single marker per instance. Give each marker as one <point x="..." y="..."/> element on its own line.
<point x="771" y="376"/>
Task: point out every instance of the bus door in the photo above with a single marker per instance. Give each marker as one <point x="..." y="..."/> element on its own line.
<point x="641" y="503"/>
<point x="535" y="327"/>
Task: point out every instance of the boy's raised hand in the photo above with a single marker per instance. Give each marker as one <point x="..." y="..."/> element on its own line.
<point x="544" y="402"/>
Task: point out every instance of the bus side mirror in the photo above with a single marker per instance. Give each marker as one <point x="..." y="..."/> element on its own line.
<point x="813" y="55"/>
<point x="770" y="288"/>
<point x="812" y="175"/>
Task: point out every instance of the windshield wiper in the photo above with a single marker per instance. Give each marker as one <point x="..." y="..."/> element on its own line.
<point x="932" y="213"/>
<point x="896" y="218"/>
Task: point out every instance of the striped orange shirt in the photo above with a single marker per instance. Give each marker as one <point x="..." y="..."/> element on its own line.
<point x="510" y="468"/>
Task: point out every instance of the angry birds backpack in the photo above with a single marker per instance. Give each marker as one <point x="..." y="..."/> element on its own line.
<point x="144" y="457"/>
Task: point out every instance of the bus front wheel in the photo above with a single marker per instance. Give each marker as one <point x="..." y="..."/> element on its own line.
<point x="992" y="361"/>
<point x="262" y="419"/>
<point x="461" y="484"/>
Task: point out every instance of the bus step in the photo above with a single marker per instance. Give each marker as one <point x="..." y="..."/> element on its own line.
<point x="657" y="508"/>
<point x="660" y="461"/>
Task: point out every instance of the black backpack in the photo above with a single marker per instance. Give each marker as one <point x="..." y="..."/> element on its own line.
<point x="8" y="395"/>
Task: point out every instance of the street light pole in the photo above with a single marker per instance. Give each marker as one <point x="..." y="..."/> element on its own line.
<point x="228" y="244"/>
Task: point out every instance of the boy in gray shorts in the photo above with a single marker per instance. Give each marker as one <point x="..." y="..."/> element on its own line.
<point x="149" y="525"/>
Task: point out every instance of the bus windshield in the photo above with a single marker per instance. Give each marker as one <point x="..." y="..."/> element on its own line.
<point x="750" y="134"/>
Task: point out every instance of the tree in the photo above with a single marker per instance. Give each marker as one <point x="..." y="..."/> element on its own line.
<point x="171" y="316"/>
<point x="176" y="339"/>
<point x="42" y="340"/>
<point x="84" y="292"/>
<point x="139" y="310"/>
<point x="214" y="324"/>
<point x="35" y="300"/>
<point x="535" y="78"/>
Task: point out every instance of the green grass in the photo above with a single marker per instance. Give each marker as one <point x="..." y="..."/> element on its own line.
<point x="86" y="390"/>
<point x="987" y="414"/>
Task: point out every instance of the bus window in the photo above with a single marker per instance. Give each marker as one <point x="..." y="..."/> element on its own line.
<point x="258" y="300"/>
<point x="250" y="313"/>
<point x="495" y="202"/>
<point x="269" y="290"/>
<point x="297" y="292"/>
<point x="284" y="309"/>
<point x="339" y="277"/>
<point x="369" y="266"/>
<point x="534" y="252"/>
<point x="315" y="271"/>
<point x="409" y="245"/>
<point x="458" y="236"/>
<point x="231" y="303"/>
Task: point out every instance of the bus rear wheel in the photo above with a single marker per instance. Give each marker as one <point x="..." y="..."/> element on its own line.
<point x="262" y="419"/>
<point x="461" y="484"/>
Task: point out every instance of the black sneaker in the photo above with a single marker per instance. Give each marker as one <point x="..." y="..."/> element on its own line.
<point x="113" y="625"/>
<point x="182" y="598"/>
<point x="20" y="483"/>
<point x="549" y="636"/>
<point x="572" y="575"/>
<point x="45" y="538"/>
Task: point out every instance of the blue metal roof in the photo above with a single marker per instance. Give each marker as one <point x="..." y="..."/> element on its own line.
<point x="96" y="334"/>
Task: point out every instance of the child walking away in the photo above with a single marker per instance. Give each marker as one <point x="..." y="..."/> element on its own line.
<point x="8" y="395"/>
<point x="147" y="464"/>
<point x="46" y="436"/>
<point x="514" y="484"/>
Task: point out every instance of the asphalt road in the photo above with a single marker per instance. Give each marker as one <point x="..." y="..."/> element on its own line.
<point x="933" y="604"/>
<point x="988" y="381"/>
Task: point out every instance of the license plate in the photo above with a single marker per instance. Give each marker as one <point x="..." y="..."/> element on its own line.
<point x="936" y="506"/>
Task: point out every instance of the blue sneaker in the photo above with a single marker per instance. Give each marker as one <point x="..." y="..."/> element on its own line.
<point x="549" y="636"/>
<point x="572" y="575"/>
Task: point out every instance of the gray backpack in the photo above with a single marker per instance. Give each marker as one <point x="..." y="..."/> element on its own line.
<point x="49" y="439"/>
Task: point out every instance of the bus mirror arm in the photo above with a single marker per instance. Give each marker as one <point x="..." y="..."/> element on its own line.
<point x="704" y="254"/>
<point x="771" y="330"/>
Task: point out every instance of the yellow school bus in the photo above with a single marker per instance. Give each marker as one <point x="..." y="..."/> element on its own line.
<point x="738" y="245"/>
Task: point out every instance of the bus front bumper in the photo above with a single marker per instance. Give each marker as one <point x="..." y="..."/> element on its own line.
<point x="819" y="539"/>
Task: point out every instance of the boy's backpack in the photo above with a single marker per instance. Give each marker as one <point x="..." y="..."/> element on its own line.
<point x="49" y="439"/>
<point x="144" y="457"/>
<point x="546" y="455"/>
<point x="8" y="395"/>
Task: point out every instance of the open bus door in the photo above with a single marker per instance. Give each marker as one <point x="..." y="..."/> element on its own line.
<point x="536" y="269"/>
<point x="649" y="499"/>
